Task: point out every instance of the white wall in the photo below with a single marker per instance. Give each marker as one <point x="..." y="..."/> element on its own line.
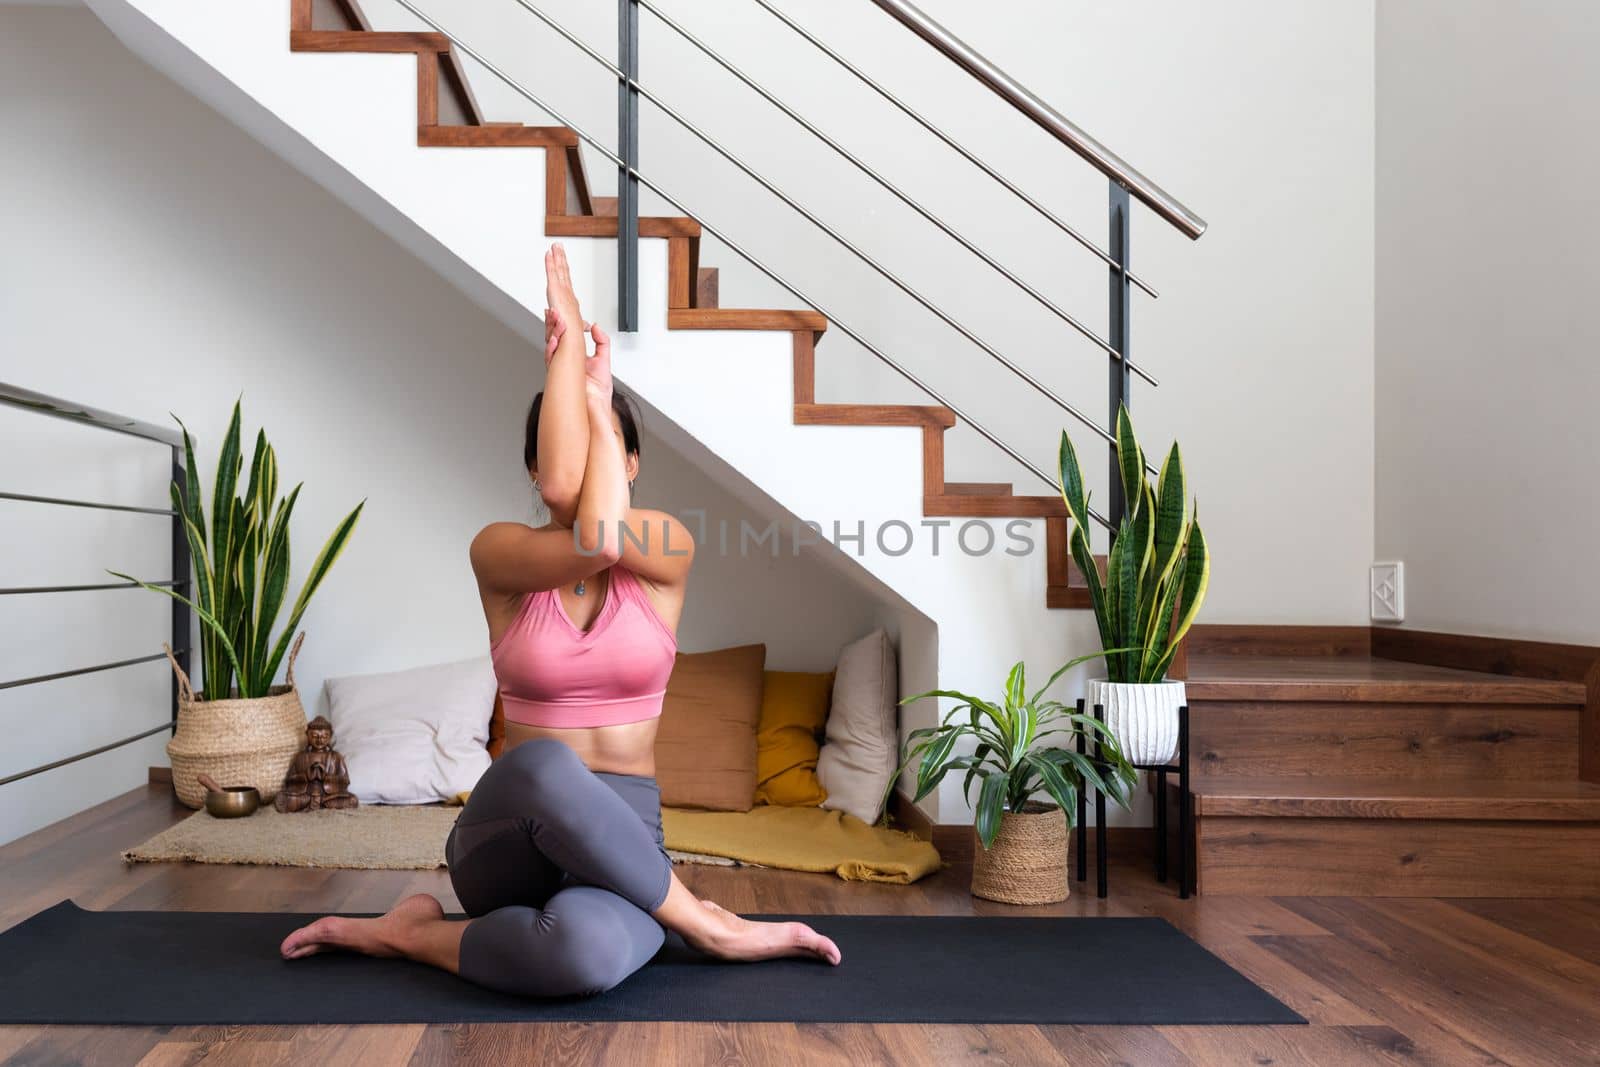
<point x="1487" y="338"/>
<point x="1258" y="114"/>
<point x="164" y="261"/>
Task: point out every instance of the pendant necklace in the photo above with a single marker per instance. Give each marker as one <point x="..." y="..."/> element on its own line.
<point x="578" y="590"/>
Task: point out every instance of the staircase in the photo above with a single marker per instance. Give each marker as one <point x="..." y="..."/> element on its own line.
<point x="388" y="122"/>
<point x="1342" y="774"/>
<point x="1318" y="770"/>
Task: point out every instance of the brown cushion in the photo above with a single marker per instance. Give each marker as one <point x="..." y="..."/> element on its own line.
<point x="706" y="745"/>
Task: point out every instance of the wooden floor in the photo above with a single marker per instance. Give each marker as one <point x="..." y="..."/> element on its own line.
<point x="1422" y="981"/>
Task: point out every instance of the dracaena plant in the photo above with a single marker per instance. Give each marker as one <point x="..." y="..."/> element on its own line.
<point x="1009" y="760"/>
<point x="1157" y="569"/>
<point x="241" y="573"/>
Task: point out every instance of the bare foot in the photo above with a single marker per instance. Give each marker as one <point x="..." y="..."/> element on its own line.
<point x="382" y="936"/>
<point x="733" y="937"/>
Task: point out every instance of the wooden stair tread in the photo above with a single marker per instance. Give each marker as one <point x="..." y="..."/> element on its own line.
<point x="742" y="318"/>
<point x="367" y="41"/>
<point x="977" y="489"/>
<point x="873" y="415"/>
<point x="495" y="135"/>
<point x="606" y="226"/>
<point x="993" y="506"/>
<point x="1361" y="678"/>
<point x="1396" y="798"/>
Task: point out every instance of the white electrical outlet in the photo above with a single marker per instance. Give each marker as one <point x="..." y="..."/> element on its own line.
<point x="1388" y="592"/>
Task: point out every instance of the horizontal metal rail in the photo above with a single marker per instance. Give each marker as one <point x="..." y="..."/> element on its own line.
<point x="739" y="250"/>
<point x="1055" y="309"/>
<point x="20" y="682"/>
<point x="19" y="776"/>
<point x="44" y="404"/>
<point x="1052" y="121"/>
<point x="64" y="502"/>
<point x="23" y="590"/>
<point x="971" y="157"/>
<point x="848" y="245"/>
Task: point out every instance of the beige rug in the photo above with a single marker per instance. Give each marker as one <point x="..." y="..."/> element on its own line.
<point x="368" y="838"/>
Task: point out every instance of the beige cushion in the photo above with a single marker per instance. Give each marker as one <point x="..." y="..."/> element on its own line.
<point x="859" y="756"/>
<point x="706" y="744"/>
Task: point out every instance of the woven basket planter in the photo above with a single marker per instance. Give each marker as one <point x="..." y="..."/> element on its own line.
<point x="245" y="741"/>
<point x="1027" y="864"/>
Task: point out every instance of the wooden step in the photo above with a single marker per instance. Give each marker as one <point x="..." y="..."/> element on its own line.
<point x="1416" y="741"/>
<point x="1364" y="678"/>
<point x="604" y="226"/>
<point x="495" y="136"/>
<point x="566" y="186"/>
<point x="1064" y="583"/>
<point x="1306" y="717"/>
<point x="977" y="489"/>
<point x="1377" y="837"/>
<point x="1364" y="797"/>
<point x="993" y="507"/>
<point x="683" y="269"/>
<point x="744" y="318"/>
<point x="873" y="415"/>
<point x="385" y="41"/>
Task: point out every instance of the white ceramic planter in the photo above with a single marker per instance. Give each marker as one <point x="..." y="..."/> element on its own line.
<point x="1143" y="718"/>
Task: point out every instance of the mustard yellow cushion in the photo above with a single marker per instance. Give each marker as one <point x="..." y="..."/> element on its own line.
<point x="794" y="711"/>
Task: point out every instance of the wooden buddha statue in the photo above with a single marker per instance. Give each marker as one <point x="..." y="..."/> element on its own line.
<point x="318" y="777"/>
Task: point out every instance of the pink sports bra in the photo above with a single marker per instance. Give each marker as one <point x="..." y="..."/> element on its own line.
<point x="556" y="676"/>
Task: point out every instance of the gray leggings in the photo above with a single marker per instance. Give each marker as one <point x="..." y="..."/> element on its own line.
<point x="559" y="869"/>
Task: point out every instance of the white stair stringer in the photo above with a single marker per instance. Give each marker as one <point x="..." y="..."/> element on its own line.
<point x="476" y="216"/>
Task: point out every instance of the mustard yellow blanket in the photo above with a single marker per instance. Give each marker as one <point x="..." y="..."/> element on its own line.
<point x="803" y="839"/>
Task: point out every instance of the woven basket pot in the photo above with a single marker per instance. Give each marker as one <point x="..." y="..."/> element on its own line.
<point x="244" y="741"/>
<point x="1027" y="864"/>
<point x="1143" y="718"/>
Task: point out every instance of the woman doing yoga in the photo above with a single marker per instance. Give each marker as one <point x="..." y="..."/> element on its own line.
<point x="557" y="857"/>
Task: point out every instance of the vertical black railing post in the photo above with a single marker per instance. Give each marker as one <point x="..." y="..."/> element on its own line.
<point x="1099" y="811"/>
<point x="628" y="151"/>
<point x="1083" y="815"/>
<point x="181" y="623"/>
<point x="1118" y="337"/>
<point x="1185" y="807"/>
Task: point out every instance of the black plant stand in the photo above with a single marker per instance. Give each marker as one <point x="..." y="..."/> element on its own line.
<point x="1185" y="812"/>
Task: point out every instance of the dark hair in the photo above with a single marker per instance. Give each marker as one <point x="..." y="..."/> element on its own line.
<point x="621" y="403"/>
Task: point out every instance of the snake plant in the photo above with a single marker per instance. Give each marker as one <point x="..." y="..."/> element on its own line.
<point x="241" y="579"/>
<point x="1158" y="566"/>
<point x="1005" y="759"/>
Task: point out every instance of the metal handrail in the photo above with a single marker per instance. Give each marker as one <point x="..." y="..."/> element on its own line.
<point x="771" y="187"/>
<point x="1056" y="124"/>
<point x="971" y="157"/>
<point x="29" y="399"/>
<point x="40" y="403"/>
<point x="750" y="258"/>
<point x="861" y="165"/>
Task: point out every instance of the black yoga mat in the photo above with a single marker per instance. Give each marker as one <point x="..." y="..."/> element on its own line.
<point x="158" y="968"/>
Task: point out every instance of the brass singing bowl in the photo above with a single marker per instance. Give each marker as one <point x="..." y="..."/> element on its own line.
<point x="232" y="802"/>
